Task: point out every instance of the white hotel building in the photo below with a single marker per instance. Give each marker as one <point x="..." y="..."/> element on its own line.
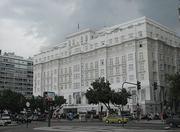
<point x="141" y="49"/>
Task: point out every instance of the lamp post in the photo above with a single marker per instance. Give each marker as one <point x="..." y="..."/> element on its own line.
<point x="27" y="105"/>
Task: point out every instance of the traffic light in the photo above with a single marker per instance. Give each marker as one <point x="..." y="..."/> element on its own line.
<point x="138" y="85"/>
<point x="155" y="85"/>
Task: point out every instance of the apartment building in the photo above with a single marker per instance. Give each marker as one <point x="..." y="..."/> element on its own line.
<point x="141" y="49"/>
<point x="16" y="74"/>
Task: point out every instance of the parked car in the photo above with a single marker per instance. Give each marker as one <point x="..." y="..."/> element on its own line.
<point x="41" y="117"/>
<point x="3" y="123"/>
<point x="6" y="118"/>
<point x="173" y="121"/>
<point x="22" y="118"/>
<point x="127" y="114"/>
<point x="115" y="119"/>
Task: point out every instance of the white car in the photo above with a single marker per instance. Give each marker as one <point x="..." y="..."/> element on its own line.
<point x="2" y="123"/>
<point x="6" y="118"/>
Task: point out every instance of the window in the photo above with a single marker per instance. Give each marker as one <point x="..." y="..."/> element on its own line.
<point x="91" y="46"/>
<point x="140" y="55"/>
<point x="102" y="62"/>
<point x="81" y="39"/>
<point x="140" y="33"/>
<point x="123" y="78"/>
<point x="102" y="72"/>
<point x="111" y="71"/>
<point x="86" y="66"/>
<point x="118" y="70"/>
<point x="141" y="76"/>
<point x="116" y="40"/>
<point x="91" y="65"/>
<point x="70" y="70"/>
<point x="141" y="66"/>
<point x="131" y="77"/>
<point x="76" y="76"/>
<point x="130" y="67"/>
<point x="117" y="79"/>
<point x="111" y="61"/>
<point x="122" y="38"/>
<point x="70" y="85"/>
<point x="111" y="80"/>
<point x="76" y="68"/>
<point x="161" y="67"/>
<point x="76" y="85"/>
<point x="96" y="74"/>
<point x="130" y="57"/>
<point x="82" y="83"/>
<point x="130" y="35"/>
<point x="96" y="65"/>
<point x="65" y="70"/>
<point x="110" y="41"/>
<point x="117" y="60"/>
<point x="123" y="59"/>
<point x="123" y="69"/>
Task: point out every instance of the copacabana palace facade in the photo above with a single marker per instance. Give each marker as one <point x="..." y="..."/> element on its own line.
<point x="141" y="49"/>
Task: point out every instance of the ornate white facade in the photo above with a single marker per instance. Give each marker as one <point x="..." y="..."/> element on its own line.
<point x="141" y="49"/>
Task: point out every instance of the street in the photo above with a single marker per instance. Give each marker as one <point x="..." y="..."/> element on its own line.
<point x="91" y="126"/>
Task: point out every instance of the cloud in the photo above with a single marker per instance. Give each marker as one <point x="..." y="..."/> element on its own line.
<point x="163" y="11"/>
<point x="13" y="39"/>
<point x="33" y="24"/>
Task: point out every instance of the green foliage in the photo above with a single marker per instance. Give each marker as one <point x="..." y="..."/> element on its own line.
<point x="174" y="89"/>
<point x="37" y="103"/>
<point x="101" y="92"/>
<point x="15" y="102"/>
<point x="120" y="98"/>
<point x="174" y="85"/>
<point x="59" y="100"/>
<point x="12" y="101"/>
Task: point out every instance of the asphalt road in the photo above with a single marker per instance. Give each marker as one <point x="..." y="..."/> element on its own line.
<point x="72" y="126"/>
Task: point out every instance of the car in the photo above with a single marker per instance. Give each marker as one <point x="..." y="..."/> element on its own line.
<point x="6" y="118"/>
<point x="3" y="123"/>
<point x="115" y="119"/>
<point x="41" y="117"/>
<point x="173" y="121"/>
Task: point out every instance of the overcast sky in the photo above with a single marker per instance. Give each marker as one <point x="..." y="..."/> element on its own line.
<point x="26" y="26"/>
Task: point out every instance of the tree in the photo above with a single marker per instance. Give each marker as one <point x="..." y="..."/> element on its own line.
<point x="100" y="92"/>
<point x="120" y="99"/>
<point x="174" y="90"/>
<point x="12" y="101"/>
<point x="59" y="101"/>
<point x="37" y="103"/>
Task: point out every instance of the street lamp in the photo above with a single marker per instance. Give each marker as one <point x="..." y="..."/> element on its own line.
<point x="27" y="105"/>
